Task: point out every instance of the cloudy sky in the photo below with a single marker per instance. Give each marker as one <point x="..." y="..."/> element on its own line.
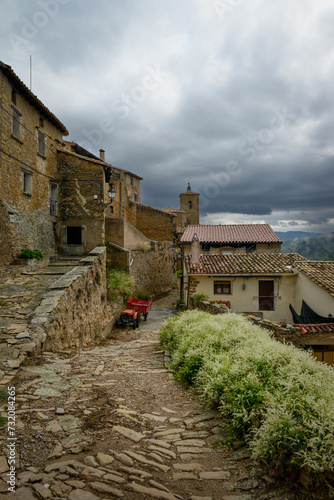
<point x="233" y="96"/>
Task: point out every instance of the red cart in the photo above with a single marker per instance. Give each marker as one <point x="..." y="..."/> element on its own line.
<point x="139" y="305"/>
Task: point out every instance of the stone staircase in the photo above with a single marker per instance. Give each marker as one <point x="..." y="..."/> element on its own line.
<point x="20" y="294"/>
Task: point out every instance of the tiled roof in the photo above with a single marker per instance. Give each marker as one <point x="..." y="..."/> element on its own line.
<point x="231" y="233"/>
<point x="314" y="329"/>
<point x="320" y="272"/>
<point x="34" y="101"/>
<point x="249" y="264"/>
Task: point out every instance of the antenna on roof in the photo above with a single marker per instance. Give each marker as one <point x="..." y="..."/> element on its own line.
<point x="30" y="74"/>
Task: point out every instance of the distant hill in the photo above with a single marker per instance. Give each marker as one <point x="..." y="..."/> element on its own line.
<point x="292" y="235"/>
<point x="320" y="248"/>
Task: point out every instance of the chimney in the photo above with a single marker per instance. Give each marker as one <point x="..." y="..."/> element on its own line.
<point x="195" y="250"/>
<point x="102" y="155"/>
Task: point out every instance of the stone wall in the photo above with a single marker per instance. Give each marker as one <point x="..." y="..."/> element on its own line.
<point x="75" y="311"/>
<point x="153" y="269"/>
<point x="29" y="229"/>
<point x="206" y="306"/>
<point x="6" y="251"/>
<point x="155" y="224"/>
<point x="289" y="333"/>
<point x="81" y="203"/>
<point x="26" y="176"/>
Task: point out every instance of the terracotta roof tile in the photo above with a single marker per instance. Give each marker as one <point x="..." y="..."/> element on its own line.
<point x="314" y="329"/>
<point x="255" y="263"/>
<point x="231" y="233"/>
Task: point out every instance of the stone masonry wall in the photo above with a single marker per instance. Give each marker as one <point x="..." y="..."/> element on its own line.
<point x="286" y="334"/>
<point x="29" y="205"/>
<point x="30" y="229"/>
<point x="81" y="202"/>
<point x="75" y="311"/>
<point x="6" y="253"/>
<point x="153" y="269"/>
<point x="153" y="223"/>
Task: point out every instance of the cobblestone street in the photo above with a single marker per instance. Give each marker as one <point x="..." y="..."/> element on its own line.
<point x="110" y="421"/>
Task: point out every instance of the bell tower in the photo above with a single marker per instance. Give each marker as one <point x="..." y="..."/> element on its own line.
<point x="189" y="203"/>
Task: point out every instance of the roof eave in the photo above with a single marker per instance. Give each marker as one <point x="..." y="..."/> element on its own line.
<point x="20" y="86"/>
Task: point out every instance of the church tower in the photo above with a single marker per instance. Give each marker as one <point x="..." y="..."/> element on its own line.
<point x="189" y="203"/>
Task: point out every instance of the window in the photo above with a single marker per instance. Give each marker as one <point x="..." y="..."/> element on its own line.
<point x="53" y="199"/>
<point x="222" y="287"/>
<point x="74" y="235"/>
<point x="41" y="143"/>
<point x="131" y="181"/>
<point x="111" y="209"/>
<point x="190" y="205"/>
<point x="135" y="197"/>
<point x="266" y="295"/>
<point x="27" y="183"/>
<point x="16" y="123"/>
<point x="14" y="95"/>
<point x="41" y="121"/>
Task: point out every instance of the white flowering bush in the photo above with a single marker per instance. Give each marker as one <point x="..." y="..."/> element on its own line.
<point x="277" y="397"/>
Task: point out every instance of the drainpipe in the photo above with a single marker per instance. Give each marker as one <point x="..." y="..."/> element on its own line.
<point x="130" y="260"/>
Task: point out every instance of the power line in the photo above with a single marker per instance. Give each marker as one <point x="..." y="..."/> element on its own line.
<point x="68" y="165"/>
<point x="140" y="220"/>
<point x="33" y="134"/>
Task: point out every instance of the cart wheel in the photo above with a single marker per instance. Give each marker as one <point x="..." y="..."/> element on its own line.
<point x="145" y="316"/>
<point x="138" y="320"/>
<point x="134" y="324"/>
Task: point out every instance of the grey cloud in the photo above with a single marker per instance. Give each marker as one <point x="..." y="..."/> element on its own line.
<point x="227" y="80"/>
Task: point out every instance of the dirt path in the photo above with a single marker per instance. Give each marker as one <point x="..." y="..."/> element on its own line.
<point x="110" y="421"/>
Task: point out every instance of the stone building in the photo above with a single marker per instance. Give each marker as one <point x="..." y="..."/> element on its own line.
<point x="29" y="137"/>
<point x="187" y="214"/>
<point x="82" y="200"/>
<point x="99" y="200"/>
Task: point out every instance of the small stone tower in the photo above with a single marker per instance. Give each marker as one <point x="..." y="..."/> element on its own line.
<point x="189" y="203"/>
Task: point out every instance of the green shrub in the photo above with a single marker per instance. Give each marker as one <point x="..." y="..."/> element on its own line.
<point x="274" y="396"/>
<point x="26" y="253"/>
<point x="181" y="305"/>
<point x="179" y="273"/>
<point x="119" y="284"/>
<point x="142" y="295"/>
<point x="199" y="297"/>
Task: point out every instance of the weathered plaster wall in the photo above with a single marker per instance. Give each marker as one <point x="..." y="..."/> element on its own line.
<point x="124" y="234"/>
<point x="245" y="293"/>
<point x="75" y="311"/>
<point x="317" y="298"/>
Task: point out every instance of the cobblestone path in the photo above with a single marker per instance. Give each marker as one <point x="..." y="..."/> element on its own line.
<point x="111" y="422"/>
